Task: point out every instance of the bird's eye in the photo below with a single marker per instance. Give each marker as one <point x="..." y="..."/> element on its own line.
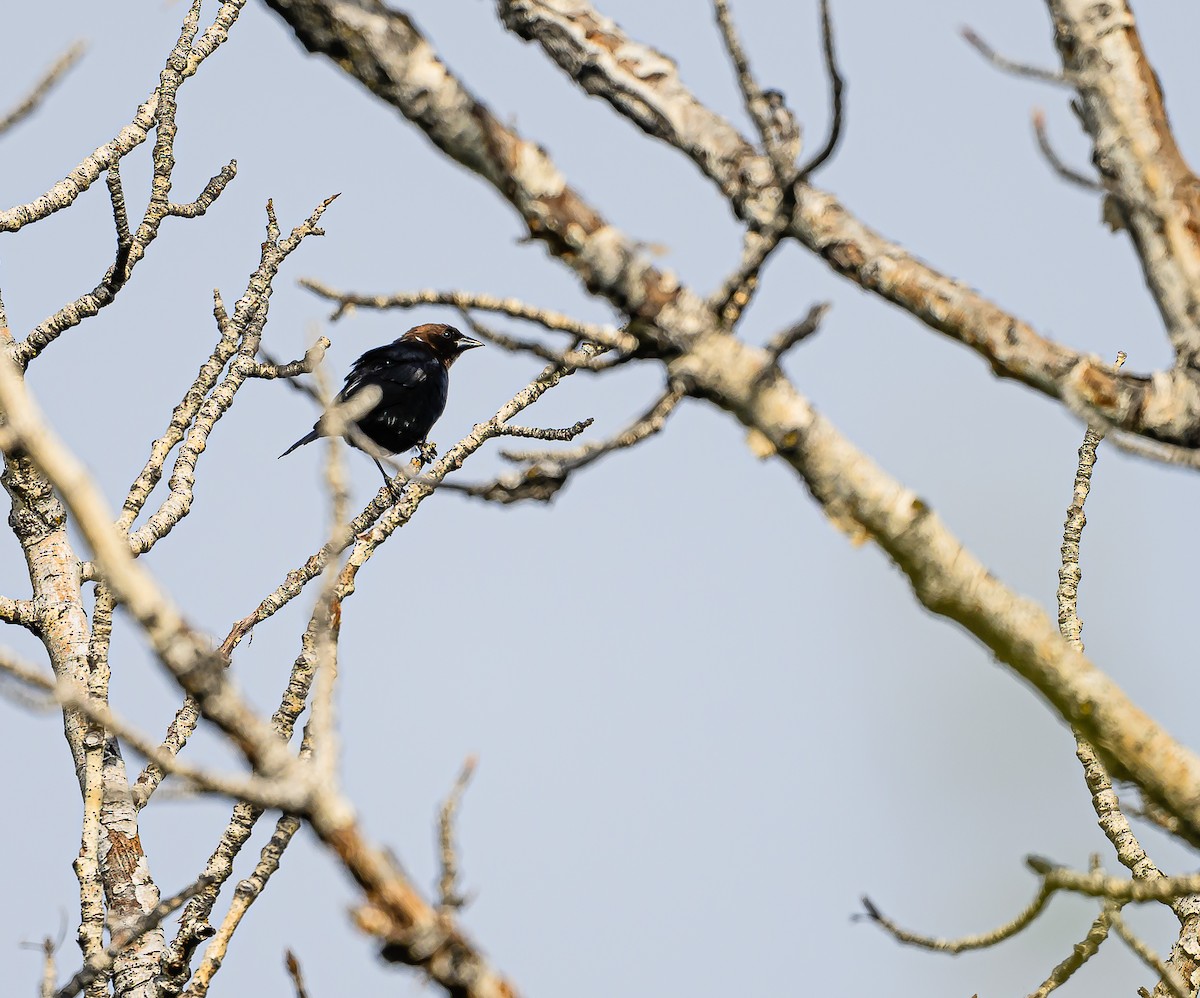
<point x="448" y="334"/>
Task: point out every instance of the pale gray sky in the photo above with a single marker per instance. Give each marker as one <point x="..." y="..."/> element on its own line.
<point x="706" y="723"/>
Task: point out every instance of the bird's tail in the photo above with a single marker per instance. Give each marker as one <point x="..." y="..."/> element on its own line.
<point x="308" y="438"/>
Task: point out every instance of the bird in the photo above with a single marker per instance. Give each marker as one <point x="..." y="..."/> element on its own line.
<point x="413" y="374"/>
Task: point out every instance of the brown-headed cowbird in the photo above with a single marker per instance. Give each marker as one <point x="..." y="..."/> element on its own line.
<point x="413" y="373"/>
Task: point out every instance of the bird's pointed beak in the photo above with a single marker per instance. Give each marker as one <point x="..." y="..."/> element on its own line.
<point x="466" y="343"/>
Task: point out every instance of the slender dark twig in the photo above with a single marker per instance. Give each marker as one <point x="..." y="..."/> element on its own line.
<point x="837" y="88"/>
<point x="1016" y="68"/>
<point x="1056" y="164"/>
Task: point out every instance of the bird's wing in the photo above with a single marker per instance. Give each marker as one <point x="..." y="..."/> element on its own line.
<point x="385" y="364"/>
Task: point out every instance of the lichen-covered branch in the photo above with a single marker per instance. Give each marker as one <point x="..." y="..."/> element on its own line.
<point x="1121" y="106"/>
<point x="159" y="112"/>
<point x="645" y="86"/>
<point x="63" y="194"/>
<point x="674" y="323"/>
<point x="413" y="930"/>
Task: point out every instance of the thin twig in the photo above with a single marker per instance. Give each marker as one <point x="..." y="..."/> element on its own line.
<point x="608" y="336"/>
<point x="548" y="470"/>
<point x="785" y="339"/>
<point x="248" y="891"/>
<point x="417" y="489"/>
<point x="1081" y="952"/>
<point x="1167" y="974"/>
<point x="514" y="344"/>
<point x="737" y="291"/>
<point x="270" y="369"/>
<point x="34" y="98"/>
<point x="449" y="897"/>
<point x="184" y="652"/>
<point x="837" y="89"/>
<point x="70" y="695"/>
<point x="1155" y="450"/>
<point x="372" y="527"/>
<point x="1016" y="68"/>
<point x="980" y="941"/>
<point x="1069" y="574"/>
<point x="326" y="613"/>
<point x="204" y="200"/>
<point x="293" y="969"/>
<point x="125" y="937"/>
<point x="775" y="124"/>
<point x="1056" y="164"/>
<point x="159" y="111"/>
<point x="1105" y="801"/>
<point x="563" y="435"/>
<point x="646" y="425"/>
<point x="1098" y="884"/>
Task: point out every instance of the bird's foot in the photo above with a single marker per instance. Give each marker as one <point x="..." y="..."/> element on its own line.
<point x="428" y="451"/>
<point x="394" y="484"/>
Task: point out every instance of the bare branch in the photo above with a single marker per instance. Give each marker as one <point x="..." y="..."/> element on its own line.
<point x="63" y="194"/>
<point x="466" y="301"/>
<point x="34" y="98"/>
<point x="245" y="329"/>
<point x="25" y="673"/>
<point x="131" y="248"/>
<point x="548" y="470"/>
<point x="965" y="943"/>
<point x="513" y="344"/>
<point x="1056" y="164"/>
<point x="837" y="87"/>
<point x="1157" y="195"/>
<point x="128" y="934"/>
<point x="293" y="969"/>
<point x="181" y="650"/>
<point x="1105" y="802"/>
<point x="204" y="200"/>
<point x="563" y="435"/>
<point x="1008" y="66"/>
<point x="645" y="87"/>
<point x="248" y="891"/>
<point x="1115" y="891"/>
<point x="327" y="613"/>
<point x="269" y="794"/>
<point x="1097" y="884"/>
<point x="271" y="369"/>
<point x="449" y="897"/>
<point x="777" y="129"/>
<point x="1176" y="985"/>
<point x="798" y="332"/>
<point x="21" y="612"/>
<point x="387" y="513"/>
<point x="119" y="273"/>
<point x="1069" y="574"/>
<point x="865" y="502"/>
<point x="732" y="298"/>
<point x="1081" y="952"/>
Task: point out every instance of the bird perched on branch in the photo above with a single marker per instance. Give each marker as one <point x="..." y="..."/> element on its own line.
<point x="413" y="376"/>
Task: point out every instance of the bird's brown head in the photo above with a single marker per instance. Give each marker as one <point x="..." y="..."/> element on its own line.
<point x="446" y="342"/>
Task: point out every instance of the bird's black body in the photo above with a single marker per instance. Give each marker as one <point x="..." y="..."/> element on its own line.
<point x="413" y="373"/>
